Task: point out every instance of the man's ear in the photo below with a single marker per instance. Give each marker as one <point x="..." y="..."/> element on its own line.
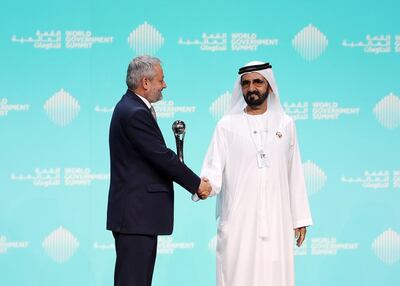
<point x="145" y="83"/>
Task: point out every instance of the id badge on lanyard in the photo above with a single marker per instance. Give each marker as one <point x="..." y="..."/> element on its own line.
<point x="258" y="140"/>
<point x="262" y="161"/>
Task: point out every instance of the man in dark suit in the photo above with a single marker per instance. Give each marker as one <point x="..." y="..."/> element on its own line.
<point x="141" y="195"/>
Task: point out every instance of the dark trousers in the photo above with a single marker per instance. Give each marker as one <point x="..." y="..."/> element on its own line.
<point x="136" y="256"/>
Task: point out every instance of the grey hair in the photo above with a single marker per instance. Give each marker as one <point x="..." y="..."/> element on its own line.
<point x="140" y="67"/>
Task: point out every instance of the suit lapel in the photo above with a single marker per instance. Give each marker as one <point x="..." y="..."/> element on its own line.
<point x="140" y="102"/>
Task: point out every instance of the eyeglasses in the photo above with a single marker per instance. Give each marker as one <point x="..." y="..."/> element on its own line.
<point x="256" y="82"/>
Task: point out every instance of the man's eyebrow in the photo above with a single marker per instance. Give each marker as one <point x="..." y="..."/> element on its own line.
<point x="254" y="80"/>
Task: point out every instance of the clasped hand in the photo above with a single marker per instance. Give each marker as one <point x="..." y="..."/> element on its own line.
<point x="204" y="189"/>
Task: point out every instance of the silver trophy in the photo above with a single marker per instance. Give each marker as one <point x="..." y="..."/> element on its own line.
<point x="179" y="129"/>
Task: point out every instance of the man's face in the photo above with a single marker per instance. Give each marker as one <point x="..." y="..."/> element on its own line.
<point x="255" y="88"/>
<point x="156" y="85"/>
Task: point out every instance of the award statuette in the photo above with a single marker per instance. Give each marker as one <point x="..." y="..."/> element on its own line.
<point x="179" y="129"/>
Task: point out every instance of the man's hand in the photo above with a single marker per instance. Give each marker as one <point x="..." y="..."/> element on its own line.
<point x="204" y="189"/>
<point x="300" y="235"/>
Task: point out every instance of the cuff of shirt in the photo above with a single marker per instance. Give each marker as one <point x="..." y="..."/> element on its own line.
<point x="302" y="223"/>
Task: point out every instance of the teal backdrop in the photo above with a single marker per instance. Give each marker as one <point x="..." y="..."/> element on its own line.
<point x="62" y="70"/>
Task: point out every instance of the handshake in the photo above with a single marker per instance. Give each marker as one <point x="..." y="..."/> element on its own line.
<point x="204" y="189"/>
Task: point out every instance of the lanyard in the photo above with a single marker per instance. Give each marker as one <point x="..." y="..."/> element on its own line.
<point x="256" y="136"/>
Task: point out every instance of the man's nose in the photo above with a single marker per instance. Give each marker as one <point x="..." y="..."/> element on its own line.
<point x="252" y="87"/>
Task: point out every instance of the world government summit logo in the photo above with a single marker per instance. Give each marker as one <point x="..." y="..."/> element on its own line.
<point x="60" y="245"/>
<point x="62" y="108"/>
<point x="145" y="40"/>
<point x="310" y="43"/>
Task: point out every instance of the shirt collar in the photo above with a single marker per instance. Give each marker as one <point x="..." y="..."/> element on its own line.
<point x="148" y="104"/>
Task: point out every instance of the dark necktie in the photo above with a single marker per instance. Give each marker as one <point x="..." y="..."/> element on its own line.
<point x="153" y="112"/>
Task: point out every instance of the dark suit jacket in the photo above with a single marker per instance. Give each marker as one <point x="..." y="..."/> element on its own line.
<point x="141" y="195"/>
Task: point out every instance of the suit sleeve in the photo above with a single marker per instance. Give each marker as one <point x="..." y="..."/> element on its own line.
<point x="142" y="132"/>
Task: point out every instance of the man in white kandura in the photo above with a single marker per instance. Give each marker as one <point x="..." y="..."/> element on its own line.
<point x="253" y="164"/>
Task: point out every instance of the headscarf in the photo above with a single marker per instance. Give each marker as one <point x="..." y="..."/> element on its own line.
<point x="237" y="101"/>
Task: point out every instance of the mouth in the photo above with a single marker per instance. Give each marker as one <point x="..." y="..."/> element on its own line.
<point x="253" y="96"/>
<point x="253" y="93"/>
